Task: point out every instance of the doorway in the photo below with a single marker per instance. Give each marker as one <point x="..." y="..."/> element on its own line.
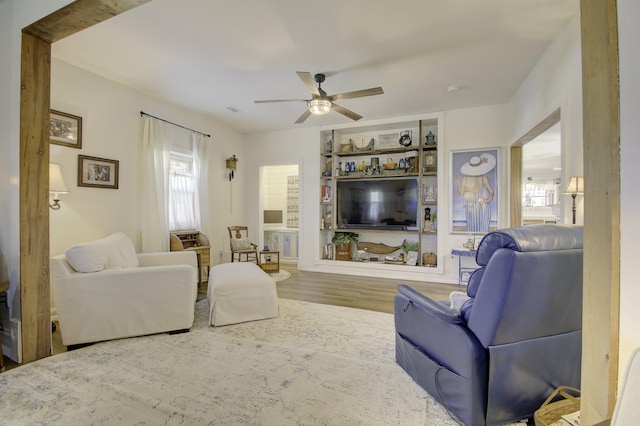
<point x="536" y="170"/>
<point x="541" y="175"/>
<point x="280" y="210"/>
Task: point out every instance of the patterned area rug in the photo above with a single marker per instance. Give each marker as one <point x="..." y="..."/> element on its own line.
<point x="314" y="364"/>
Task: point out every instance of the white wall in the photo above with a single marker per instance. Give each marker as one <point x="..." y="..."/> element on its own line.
<point x="480" y="127"/>
<point x="301" y="147"/>
<point x="470" y="129"/>
<point x="274" y="188"/>
<point x="555" y="82"/>
<point x="112" y="128"/>
<point x="628" y="36"/>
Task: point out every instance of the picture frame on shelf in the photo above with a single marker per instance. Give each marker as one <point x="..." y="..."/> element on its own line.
<point x="97" y="172"/>
<point x="429" y="192"/>
<point x="430" y="162"/>
<point x="475" y="195"/>
<point x="389" y="140"/>
<point x="65" y="129"/>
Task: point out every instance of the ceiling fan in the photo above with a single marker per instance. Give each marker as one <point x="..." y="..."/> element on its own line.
<point x="320" y="103"/>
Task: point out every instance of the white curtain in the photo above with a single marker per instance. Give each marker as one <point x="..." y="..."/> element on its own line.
<point x="200" y="154"/>
<point x="156" y="146"/>
<point x="183" y="203"/>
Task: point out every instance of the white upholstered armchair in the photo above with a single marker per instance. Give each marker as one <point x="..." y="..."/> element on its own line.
<point x="104" y="290"/>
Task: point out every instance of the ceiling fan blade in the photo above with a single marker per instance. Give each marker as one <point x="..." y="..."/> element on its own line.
<point x="309" y="82"/>
<point x="280" y="100"/>
<point x="357" y="94"/>
<point x="303" y="117"/>
<point x="352" y="115"/>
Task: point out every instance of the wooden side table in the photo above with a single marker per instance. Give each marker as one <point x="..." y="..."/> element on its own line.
<point x="464" y="272"/>
<point x="204" y="261"/>
<point x="198" y="242"/>
<point x="269" y="261"/>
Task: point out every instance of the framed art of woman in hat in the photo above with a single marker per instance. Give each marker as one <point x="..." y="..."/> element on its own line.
<point x="476" y="194"/>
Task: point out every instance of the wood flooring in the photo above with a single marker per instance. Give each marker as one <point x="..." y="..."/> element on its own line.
<point x="375" y="294"/>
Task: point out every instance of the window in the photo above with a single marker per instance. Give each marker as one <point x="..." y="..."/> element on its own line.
<point x="540" y="194"/>
<point x="182" y="193"/>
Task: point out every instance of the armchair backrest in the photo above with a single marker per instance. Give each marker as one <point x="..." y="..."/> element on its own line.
<point x="115" y="251"/>
<point x="239" y="239"/>
<point x="530" y="284"/>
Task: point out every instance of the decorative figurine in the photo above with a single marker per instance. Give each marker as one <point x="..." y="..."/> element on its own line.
<point x="428" y="225"/>
<point x="431" y="138"/>
<point x="469" y="245"/>
<point x="405" y="138"/>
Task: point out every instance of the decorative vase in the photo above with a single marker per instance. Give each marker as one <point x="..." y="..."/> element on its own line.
<point x="343" y="251"/>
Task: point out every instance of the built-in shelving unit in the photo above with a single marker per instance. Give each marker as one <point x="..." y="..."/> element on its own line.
<point x="388" y="150"/>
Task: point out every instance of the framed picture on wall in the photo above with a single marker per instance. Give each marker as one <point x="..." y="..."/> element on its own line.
<point x="97" y="172"/>
<point x="65" y="129"/>
<point x="474" y="191"/>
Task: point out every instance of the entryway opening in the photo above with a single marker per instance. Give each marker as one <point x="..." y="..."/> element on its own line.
<point x="280" y="210"/>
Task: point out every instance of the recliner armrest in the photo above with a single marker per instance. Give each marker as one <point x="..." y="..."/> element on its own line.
<point x="438" y="309"/>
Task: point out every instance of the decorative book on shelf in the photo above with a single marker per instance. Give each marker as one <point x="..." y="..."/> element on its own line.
<point x="326" y="193"/>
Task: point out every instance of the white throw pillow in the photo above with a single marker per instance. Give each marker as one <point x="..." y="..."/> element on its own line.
<point x="240" y="243"/>
<point x="85" y="259"/>
<point x="115" y="251"/>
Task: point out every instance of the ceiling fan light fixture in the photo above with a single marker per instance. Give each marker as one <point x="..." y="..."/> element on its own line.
<point x="319" y="106"/>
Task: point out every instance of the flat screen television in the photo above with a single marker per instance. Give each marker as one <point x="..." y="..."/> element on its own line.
<point x="377" y="204"/>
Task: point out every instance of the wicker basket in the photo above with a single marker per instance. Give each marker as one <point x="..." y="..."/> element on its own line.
<point x="550" y="412"/>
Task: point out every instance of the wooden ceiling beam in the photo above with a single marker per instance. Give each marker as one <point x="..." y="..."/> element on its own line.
<point x="78" y="16"/>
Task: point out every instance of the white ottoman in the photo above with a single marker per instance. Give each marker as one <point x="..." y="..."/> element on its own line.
<point x="239" y="292"/>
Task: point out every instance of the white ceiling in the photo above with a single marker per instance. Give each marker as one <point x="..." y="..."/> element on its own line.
<point x="213" y="55"/>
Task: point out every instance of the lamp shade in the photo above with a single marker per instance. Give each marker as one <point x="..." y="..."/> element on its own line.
<point x="57" y="185"/>
<point x="319" y="106"/>
<point x="575" y="185"/>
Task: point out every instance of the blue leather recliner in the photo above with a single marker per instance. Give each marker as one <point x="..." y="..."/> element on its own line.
<point x="514" y="341"/>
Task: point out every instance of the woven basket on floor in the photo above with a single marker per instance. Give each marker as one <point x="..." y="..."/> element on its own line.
<point x="550" y="412"/>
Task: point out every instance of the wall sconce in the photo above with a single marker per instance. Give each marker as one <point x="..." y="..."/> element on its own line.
<point x="574" y="187"/>
<point x="57" y="185"/>
<point x="231" y="165"/>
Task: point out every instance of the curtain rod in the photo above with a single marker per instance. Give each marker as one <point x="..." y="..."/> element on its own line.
<point x="142" y="113"/>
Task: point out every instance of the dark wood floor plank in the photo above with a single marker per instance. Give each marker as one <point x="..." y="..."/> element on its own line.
<point x="374" y="294"/>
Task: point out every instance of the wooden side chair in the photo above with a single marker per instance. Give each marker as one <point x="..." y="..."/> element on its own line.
<point x="241" y="246"/>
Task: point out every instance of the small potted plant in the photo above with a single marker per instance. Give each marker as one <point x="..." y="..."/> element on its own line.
<point x="343" y="241"/>
<point x="411" y="251"/>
